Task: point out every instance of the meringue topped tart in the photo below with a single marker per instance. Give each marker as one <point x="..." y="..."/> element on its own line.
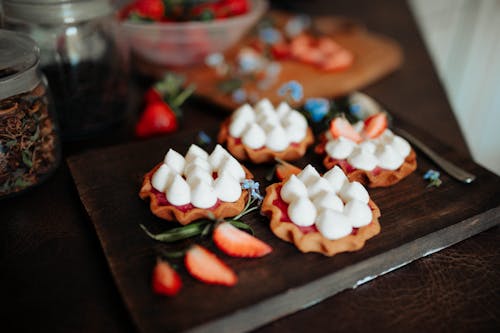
<point x="368" y="151"/>
<point x="197" y="185"/>
<point x="326" y="214"/>
<point x="262" y="133"/>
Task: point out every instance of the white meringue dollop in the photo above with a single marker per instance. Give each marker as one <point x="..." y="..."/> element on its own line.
<point x="254" y="137"/>
<point x="162" y="177"/>
<point x="302" y="212"/>
<point x="293" y="189"/>
<point x="359" y="213"/>
<point x="227" y="188"/>
<point x="175" y="161"/>
<point x="203" y="195"/>
<point x="277" y="139"/>
<point x="333" y="224"/>
<point x="336" y="177"/>
<point x="354" y="190"/>
<point x="195" y="151"/>
<point x="178" y="193"/>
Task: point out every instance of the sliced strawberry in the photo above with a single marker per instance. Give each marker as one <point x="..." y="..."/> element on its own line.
<point x="337" y="61"/>
<point x="341" y="127"/>
<point x="375" y="125"/>
<point x="300" y="45"/>
<point x="157" y="118"/>
<point x="284" y="170"/>
<point x="206" y="267"/>
<point x="237" y="243"/>
<point x="166" y="281"/>
<point x="328" y="45"/>
<point x="280" y="51"/>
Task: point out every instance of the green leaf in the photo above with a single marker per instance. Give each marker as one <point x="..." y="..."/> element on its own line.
<point x="175" y="234"/>
<point x="230" y="85"/>
<point x="242" y="226"/>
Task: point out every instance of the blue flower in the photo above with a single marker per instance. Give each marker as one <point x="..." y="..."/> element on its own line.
<point x="253" y="187"/>
<point x="204" y="138"/>
<point x="317" y="108"/>
<point x="433" y="177"/>
<point x="292" y="89"/>
<point x="270" y="35"/>
<point x="239" y="96"/>
<point x="355" y="110"/>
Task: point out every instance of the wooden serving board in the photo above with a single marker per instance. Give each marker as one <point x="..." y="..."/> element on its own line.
<point x="375" y="56"/>
<point x="416" y="221"/>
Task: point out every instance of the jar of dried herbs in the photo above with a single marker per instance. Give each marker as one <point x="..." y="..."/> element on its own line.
<point x="83" y="57"/>
<point x="29" y="143"/>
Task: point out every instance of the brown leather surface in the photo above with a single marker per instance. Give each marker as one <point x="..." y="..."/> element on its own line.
<point x="454" y="290"/>
<point x="54" y="276"/>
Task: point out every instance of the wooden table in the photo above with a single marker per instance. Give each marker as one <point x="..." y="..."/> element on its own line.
<point x="55" y="277"/>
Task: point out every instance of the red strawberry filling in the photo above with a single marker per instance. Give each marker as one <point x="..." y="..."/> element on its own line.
<point x="349" y="168"/>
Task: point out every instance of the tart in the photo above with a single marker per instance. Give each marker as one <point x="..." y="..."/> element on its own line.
<point x="326" y="214"/>
<point x="262" y="133"/>
<point x="195" y="186"/>
<point x="368" y="152"/>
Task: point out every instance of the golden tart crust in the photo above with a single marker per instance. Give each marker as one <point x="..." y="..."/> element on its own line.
<point x="173" y="213"/>
<point x="262" y="155"/>
<point x="383" y="178"/>
<point x="314" y="241"/>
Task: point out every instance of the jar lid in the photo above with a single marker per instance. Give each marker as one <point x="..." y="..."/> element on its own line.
<point x="56" y="11"/>
<point x="19" y="57"/>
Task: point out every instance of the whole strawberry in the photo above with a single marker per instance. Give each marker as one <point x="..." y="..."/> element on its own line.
<point x="157" y="118"/>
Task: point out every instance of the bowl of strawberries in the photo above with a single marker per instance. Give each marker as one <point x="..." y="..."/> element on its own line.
<point x="177" y="33"/>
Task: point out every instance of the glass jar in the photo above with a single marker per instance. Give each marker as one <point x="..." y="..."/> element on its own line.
<point x="83" y="57"/>
<point x="29" y="143"/>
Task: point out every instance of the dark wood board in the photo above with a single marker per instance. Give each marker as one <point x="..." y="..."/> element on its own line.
<point x="416" y="221"/>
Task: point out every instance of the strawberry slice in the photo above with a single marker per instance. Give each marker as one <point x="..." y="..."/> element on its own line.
<point x="375" y="125"/>
<point x="341" y="127"/>
<point x="237" y="243"/>
<point x="166" y="281"/>
<point x="157" y="118"/>
<point x="280" y="51"/>
<point x="206" y="267"/>
<point x="337" y="61"/>
<point x="284" y="170"/>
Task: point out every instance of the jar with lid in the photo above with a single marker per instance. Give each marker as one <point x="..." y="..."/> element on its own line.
<point x="29" y="142"/>
<point x="83" y="57"/>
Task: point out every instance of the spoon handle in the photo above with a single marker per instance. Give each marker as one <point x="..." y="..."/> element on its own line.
<point x="446" y="165"/>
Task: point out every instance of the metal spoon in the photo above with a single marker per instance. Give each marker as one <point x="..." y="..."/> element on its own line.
<point x="370" y="106"/>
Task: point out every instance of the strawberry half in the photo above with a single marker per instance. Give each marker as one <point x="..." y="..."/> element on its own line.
<point x="152" y="95"/>
<point x="157" y="118"/>
<point x="166" y="281"/>
<point x="206" y="267"/>
<point x="284" y="170"/>
<point x="237" y="243"/>
<point x="375" y="125"/>
<point x="341" y="127"/>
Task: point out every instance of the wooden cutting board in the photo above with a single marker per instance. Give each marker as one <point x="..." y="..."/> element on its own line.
<point x="375" y="56"/>
<point x="416" y="221"/>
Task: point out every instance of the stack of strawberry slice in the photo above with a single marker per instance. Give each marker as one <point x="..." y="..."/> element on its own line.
<point x="205" y="265"/>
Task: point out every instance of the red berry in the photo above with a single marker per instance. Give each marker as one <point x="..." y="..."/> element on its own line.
<point x="152" y="9"/>
<point x="152" y="95"/>
<point x="166" y="281"/>
<point x="237" y="243"/>
<point x="375" y="125"/>
<point x="157" y="118"/>
<point x="341" y="127"/>
<point x="206" y="267"/>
